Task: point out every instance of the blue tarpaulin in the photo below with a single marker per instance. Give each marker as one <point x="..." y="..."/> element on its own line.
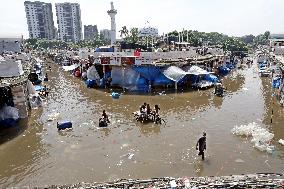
<point x="102" y="82"/>
<point x="39" y="88"/>
<point x="185" y="79"/>
<point x="115" y="95"/>
<point x="37" y="82"/>
<point x="90" y="83"/>
<point x="223" y="70"/>
<point x="142" y="85"/>
<point x="128" y="78"/>
<point x="107" y="74"/>
<point x="230" y="66"/>
<point x="211" y="78"/>
<point x="276" y="83"/>
<point x="148" y="72"/>
<point x="104" y="49"/>
<point x="64" y="124"/>
<point x="262" y="65"/>
<point x="161" y="79"/>
<point x="10" y="122"/>
<point x="195" y="78"/>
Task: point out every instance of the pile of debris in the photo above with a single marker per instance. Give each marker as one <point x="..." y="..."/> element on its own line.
<point x="261" y="180"/>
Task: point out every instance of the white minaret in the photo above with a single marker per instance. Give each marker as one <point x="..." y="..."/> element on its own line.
<point x="112" y="12"/>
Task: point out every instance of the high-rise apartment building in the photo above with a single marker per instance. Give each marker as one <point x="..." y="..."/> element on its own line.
<point x="90" y="32"/>
<point x="106" y="34"/>
<point x="40" y="19"/>
<point x="69" y="21"/>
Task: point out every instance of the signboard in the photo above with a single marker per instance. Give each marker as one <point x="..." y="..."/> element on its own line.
<point x="105" y="60"/>
<point x="128" y="60"/>
<point x="148" y="31"/>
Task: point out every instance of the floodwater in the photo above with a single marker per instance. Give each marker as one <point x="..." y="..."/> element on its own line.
<point x="41" y="155"/>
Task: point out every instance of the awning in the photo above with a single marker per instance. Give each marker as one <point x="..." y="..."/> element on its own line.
<point x="195" y="70"/>
<point x="174" y="73"/>
<point x="69" y="68"/>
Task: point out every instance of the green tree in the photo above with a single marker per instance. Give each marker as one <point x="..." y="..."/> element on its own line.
<point x="124" y="32"/>
<point x="248" y="39"/>
<point x="262" y="39"/>
<point x="266" y="35"/>
<point x="133" y="36"/>
<point x="234" y="44"/>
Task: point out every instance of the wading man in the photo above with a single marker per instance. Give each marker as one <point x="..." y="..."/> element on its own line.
<point x="201" y="145"/>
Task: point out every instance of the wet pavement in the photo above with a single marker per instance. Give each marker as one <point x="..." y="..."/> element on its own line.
<point x="41" y="155"/>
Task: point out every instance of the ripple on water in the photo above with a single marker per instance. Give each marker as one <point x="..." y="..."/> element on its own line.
<point x="88" y="153"/>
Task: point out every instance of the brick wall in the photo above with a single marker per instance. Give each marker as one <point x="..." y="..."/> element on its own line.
<point x="20" y="99"/>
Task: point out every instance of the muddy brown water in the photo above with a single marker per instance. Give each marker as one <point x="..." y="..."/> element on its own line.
<point x="41" y="155"/>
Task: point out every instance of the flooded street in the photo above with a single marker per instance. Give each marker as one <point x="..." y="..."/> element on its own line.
<point x="128" y="149"/>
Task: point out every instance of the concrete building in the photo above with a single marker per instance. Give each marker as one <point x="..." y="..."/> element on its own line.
<point x="90" y="31"/>
<point x="69" y="22"/>
<point x="276" y="40"/>
<point x="106" y="34"/>
<point x="13" y="86"/>
<point x="56" y="33"/>
<point x="112" y="12"/>
<point x="40" y="19"/>
<point x="276" y="43"/>
<point x="12" y="44"/>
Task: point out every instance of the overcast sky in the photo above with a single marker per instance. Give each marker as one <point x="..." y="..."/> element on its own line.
<point x="232" y="17"/>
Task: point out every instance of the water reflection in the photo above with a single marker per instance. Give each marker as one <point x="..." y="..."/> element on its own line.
<point x="234" y="82"/>
<point x="8" y="134"/>
<point x="105" y="131"/>
<point x="22" y="157"/>
<point x="88" y="153"/>
<point x="199" y="168"/>
<point x="149" y="129"/>
<point x="274" y="116"/>
<point x="217" y="102"/>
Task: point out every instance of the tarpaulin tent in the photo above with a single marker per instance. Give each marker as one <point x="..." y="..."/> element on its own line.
<point x="38" y="87"/>
<point x="107" y="74"/>
<point x="31" y="87"/>
<point x="195" y="70"/>
<point x="162" y="80"/>
<point x="104" y="49"/>
<point x="276" y="82"/>
<point x="262" y="65"/>
<point x="90" y="83"/>
<point x="70" y="68"/>
<point x="148" y="72"/>
<point x="92" y="73"/>
<point x="186" y="79"/>
<point x="224" y="70"/>
<point x="194" y="79"/>
<point x="125" y="77"/>
<point x="230" y="66"/>
<point x="141" y="85"/>
<point x="211" y="78"/>
<point x="8" y="112"/>
<point x="174" y="73"/>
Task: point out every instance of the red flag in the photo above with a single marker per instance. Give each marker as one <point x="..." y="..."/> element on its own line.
<point x="137" y="52"/>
